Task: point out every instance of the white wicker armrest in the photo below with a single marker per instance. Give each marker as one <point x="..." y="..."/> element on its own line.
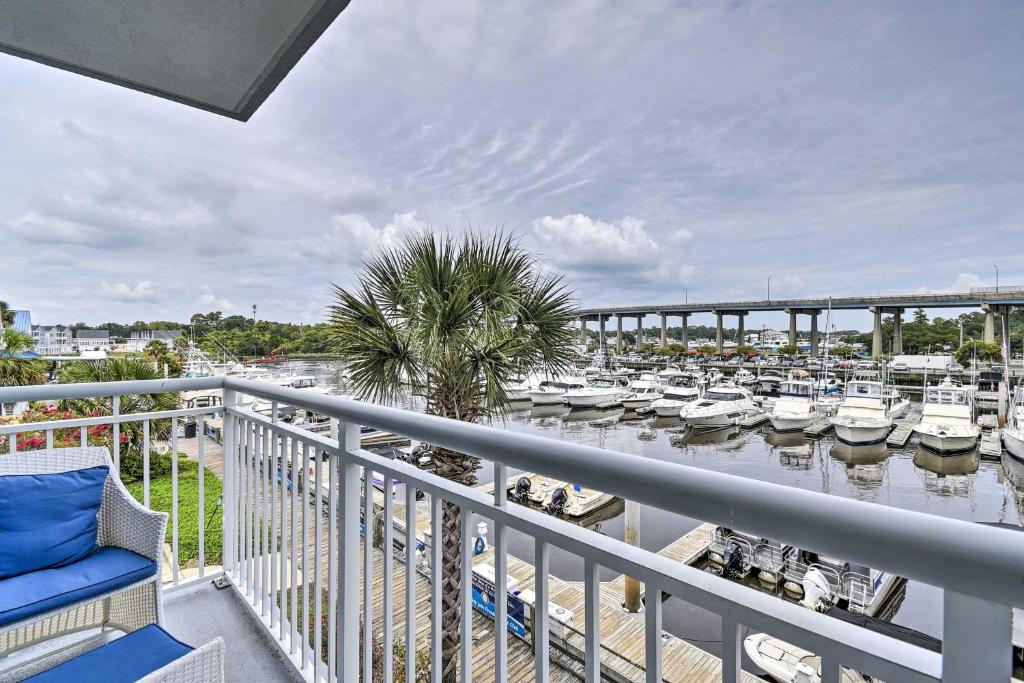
<point x="205" y="664"/>
<point x="125" y="523"/>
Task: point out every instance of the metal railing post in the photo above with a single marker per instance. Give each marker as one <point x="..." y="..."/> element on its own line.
<point x="348" y="558"/>
<point x="975" y="639"/>
<point x="229" y="505"/>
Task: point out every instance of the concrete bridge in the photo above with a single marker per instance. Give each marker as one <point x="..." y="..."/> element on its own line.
<point x="994" y="301"/>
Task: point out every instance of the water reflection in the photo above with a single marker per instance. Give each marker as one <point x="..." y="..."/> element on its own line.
<point x="865" y="465"/>
<point x="945" y="465"/>
<point x="592" y="414"/>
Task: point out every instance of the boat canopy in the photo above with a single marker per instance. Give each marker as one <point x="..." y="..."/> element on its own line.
<point x="862" y="389"/>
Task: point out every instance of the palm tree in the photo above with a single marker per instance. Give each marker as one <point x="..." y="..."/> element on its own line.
<point x="15" y="371"/>
<point x="454" y="319"/>
<point x="119" y="370"/>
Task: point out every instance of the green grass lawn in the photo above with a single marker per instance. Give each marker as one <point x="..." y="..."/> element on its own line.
<point x="188" y="510"/>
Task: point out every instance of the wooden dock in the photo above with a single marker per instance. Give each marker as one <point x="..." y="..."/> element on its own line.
<point x="903" y="428"/>
<point x="753" y="419"/>
<point x="818" y="428"/>
<point x="991" y="445"/>
<point x="622" y="633"/>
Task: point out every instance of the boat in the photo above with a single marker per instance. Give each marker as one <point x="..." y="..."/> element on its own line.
<point x="558" y="498"/>
<point x="1013" y="432"/>
<point x="642" y="391"/>
<point x="820" y="582"/>
<point x="896" y="404"/>
<point x="862" y="418"/>
<point x="828" y="383"/>
<point x="735" y="554"/>
<point x="684" y="389"/>
<point x="720" y="406"/>
<point x="947" y="422"/>
<point x="786" y="663"/>
<point x="552" y="391"/>
<point x="795" y="408"/>
<point x="744" y="378"/>
<point x="713" y="377"/>
<point x="517" y="390"/>
<point x="671" y="371"/>
<point x="600" y="391"/>
<point x="769" y="382"/>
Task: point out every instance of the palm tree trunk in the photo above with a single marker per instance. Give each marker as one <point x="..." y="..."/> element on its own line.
<point x="451" y="573"/>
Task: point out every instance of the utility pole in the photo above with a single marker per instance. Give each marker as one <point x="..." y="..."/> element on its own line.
<point x="769" y="289"/>
<point x="997" y="279"/>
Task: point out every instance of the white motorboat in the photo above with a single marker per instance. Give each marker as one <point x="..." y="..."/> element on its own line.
<point x="744" y="378"/>
<point x="642" y="392"/>
<point x="896" y="404"/>
<point x="533" y="488"/>
<point x="787" y="663"/>
<point x="518" y="390"/>
<point x="552" y="391"/>
<point x="557" y="497"/>
<point x="720" y="406"/>
<point x="1013" y="432"/>
<point x="685" y="389"/>
<point x="795" y="408"/>
<point x="769" y="382"/>
<point x="947" y="423"/>
<point x="713" y="376"/>
<point x="828" y="384"/>
<point x="670" y="372"/>
<point x="600" y="391"/>
<point x="863" y="416"/>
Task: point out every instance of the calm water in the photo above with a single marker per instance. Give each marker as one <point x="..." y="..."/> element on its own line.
<point x="962" y="487"/>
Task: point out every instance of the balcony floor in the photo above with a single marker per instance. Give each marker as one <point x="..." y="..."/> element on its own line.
<point x="199" y="614"/>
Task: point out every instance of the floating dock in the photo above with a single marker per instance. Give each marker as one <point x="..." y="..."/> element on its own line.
<point x="818" y="428"/>
<point x="903" y="428"/>
<point x="991" y="445"/>
<point x="753" y="418"/>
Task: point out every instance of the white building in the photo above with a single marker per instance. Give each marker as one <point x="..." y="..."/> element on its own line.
<point x="138" y="341"/>
<point x="92" y="340"/>
<point x="52" y="340"/>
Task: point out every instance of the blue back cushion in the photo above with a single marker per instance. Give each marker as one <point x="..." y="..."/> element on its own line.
<point x="48" y="520"/>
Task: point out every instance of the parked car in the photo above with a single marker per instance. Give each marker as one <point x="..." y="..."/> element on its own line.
<point x="899" y="366"/>
<point x="799" y="363"/>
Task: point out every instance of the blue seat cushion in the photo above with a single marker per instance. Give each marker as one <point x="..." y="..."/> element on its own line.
<point x="107" y="569"/>
<point x="124" y="660"/>
<point x="48" y="520"/>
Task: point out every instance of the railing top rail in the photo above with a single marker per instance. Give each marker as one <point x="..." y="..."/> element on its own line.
<point x="973" y="559"/>
<point x="51" y="392"/>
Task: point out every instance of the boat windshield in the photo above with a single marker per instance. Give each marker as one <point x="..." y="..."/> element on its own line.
<point x="864" y="390"/>
<point x="795" y="389"/>
<point x="946" y="396"/>
<point x="712" y="395"/>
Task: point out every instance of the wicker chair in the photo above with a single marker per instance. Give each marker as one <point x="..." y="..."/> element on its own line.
<point x="123" y="523"/>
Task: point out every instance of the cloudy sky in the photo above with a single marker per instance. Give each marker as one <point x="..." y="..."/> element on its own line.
<point x="641" y="148"/>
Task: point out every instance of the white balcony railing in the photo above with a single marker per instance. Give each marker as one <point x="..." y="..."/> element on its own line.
<point x="271" y="534"/>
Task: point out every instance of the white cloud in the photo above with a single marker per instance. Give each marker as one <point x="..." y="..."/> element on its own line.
<point x="125" y="293"/>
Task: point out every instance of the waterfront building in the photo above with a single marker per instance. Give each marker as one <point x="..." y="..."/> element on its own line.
<point x="139" y="339"/>
<point x="23" y="321"/>
<point x="52" y="340"/>
<point x="92" y="340"/>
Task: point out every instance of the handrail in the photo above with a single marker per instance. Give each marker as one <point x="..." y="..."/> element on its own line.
<point x="972" y="559"/>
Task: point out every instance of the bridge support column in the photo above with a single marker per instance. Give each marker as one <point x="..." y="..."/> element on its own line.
<point x="740" y="317"/>
<point x="601" y="331"/>
<point x="639" y="331"/>
<point x="897" y="331"/>
<point x="989" y="335"/>
<point x="719" y="334"/>
<point x="876" y="335"/>
<point x="618" y="335"/>
<point x="792" y="327"/>
<point x="1004" y="330"/>
<point x="814" y="334"/>
<point x="664" y="330"/>
<point x="583" y="331"/>
<point x="686" y="333"/>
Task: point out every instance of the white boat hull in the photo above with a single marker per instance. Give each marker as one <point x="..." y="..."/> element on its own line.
<point x="948" y="439"/>
<point x="546" y="398"/>
<point x="591" y="400"/>
<point x="790" y="423"/>
<point x="667" y="408"/>
<point x="1013" y="441"/>
<point x="861" y="432"/>
<point x="714" y="419"/>
<point x="634" y="403"/>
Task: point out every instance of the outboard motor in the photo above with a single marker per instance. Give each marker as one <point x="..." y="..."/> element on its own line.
<point x="732" y="560"/>
<point x="522" y="490"/>
<point x="559" y="499"/>
<point x="421" y="455"/>
<point x="817" y="591"/>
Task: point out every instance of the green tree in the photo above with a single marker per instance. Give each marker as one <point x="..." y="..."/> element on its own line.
<point x="790" y="350"/>
<point x="14" y="371"/>
<point x="454" y="319"/>
<point x="984" y="352"/>
<point x="746" y="350"/>
<point x="708" y="349"/>
<point x="155" y="349"/>
<point x="6" y="314"/>
<point x="119" y="370"/>
<point x="842" y="350"/>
